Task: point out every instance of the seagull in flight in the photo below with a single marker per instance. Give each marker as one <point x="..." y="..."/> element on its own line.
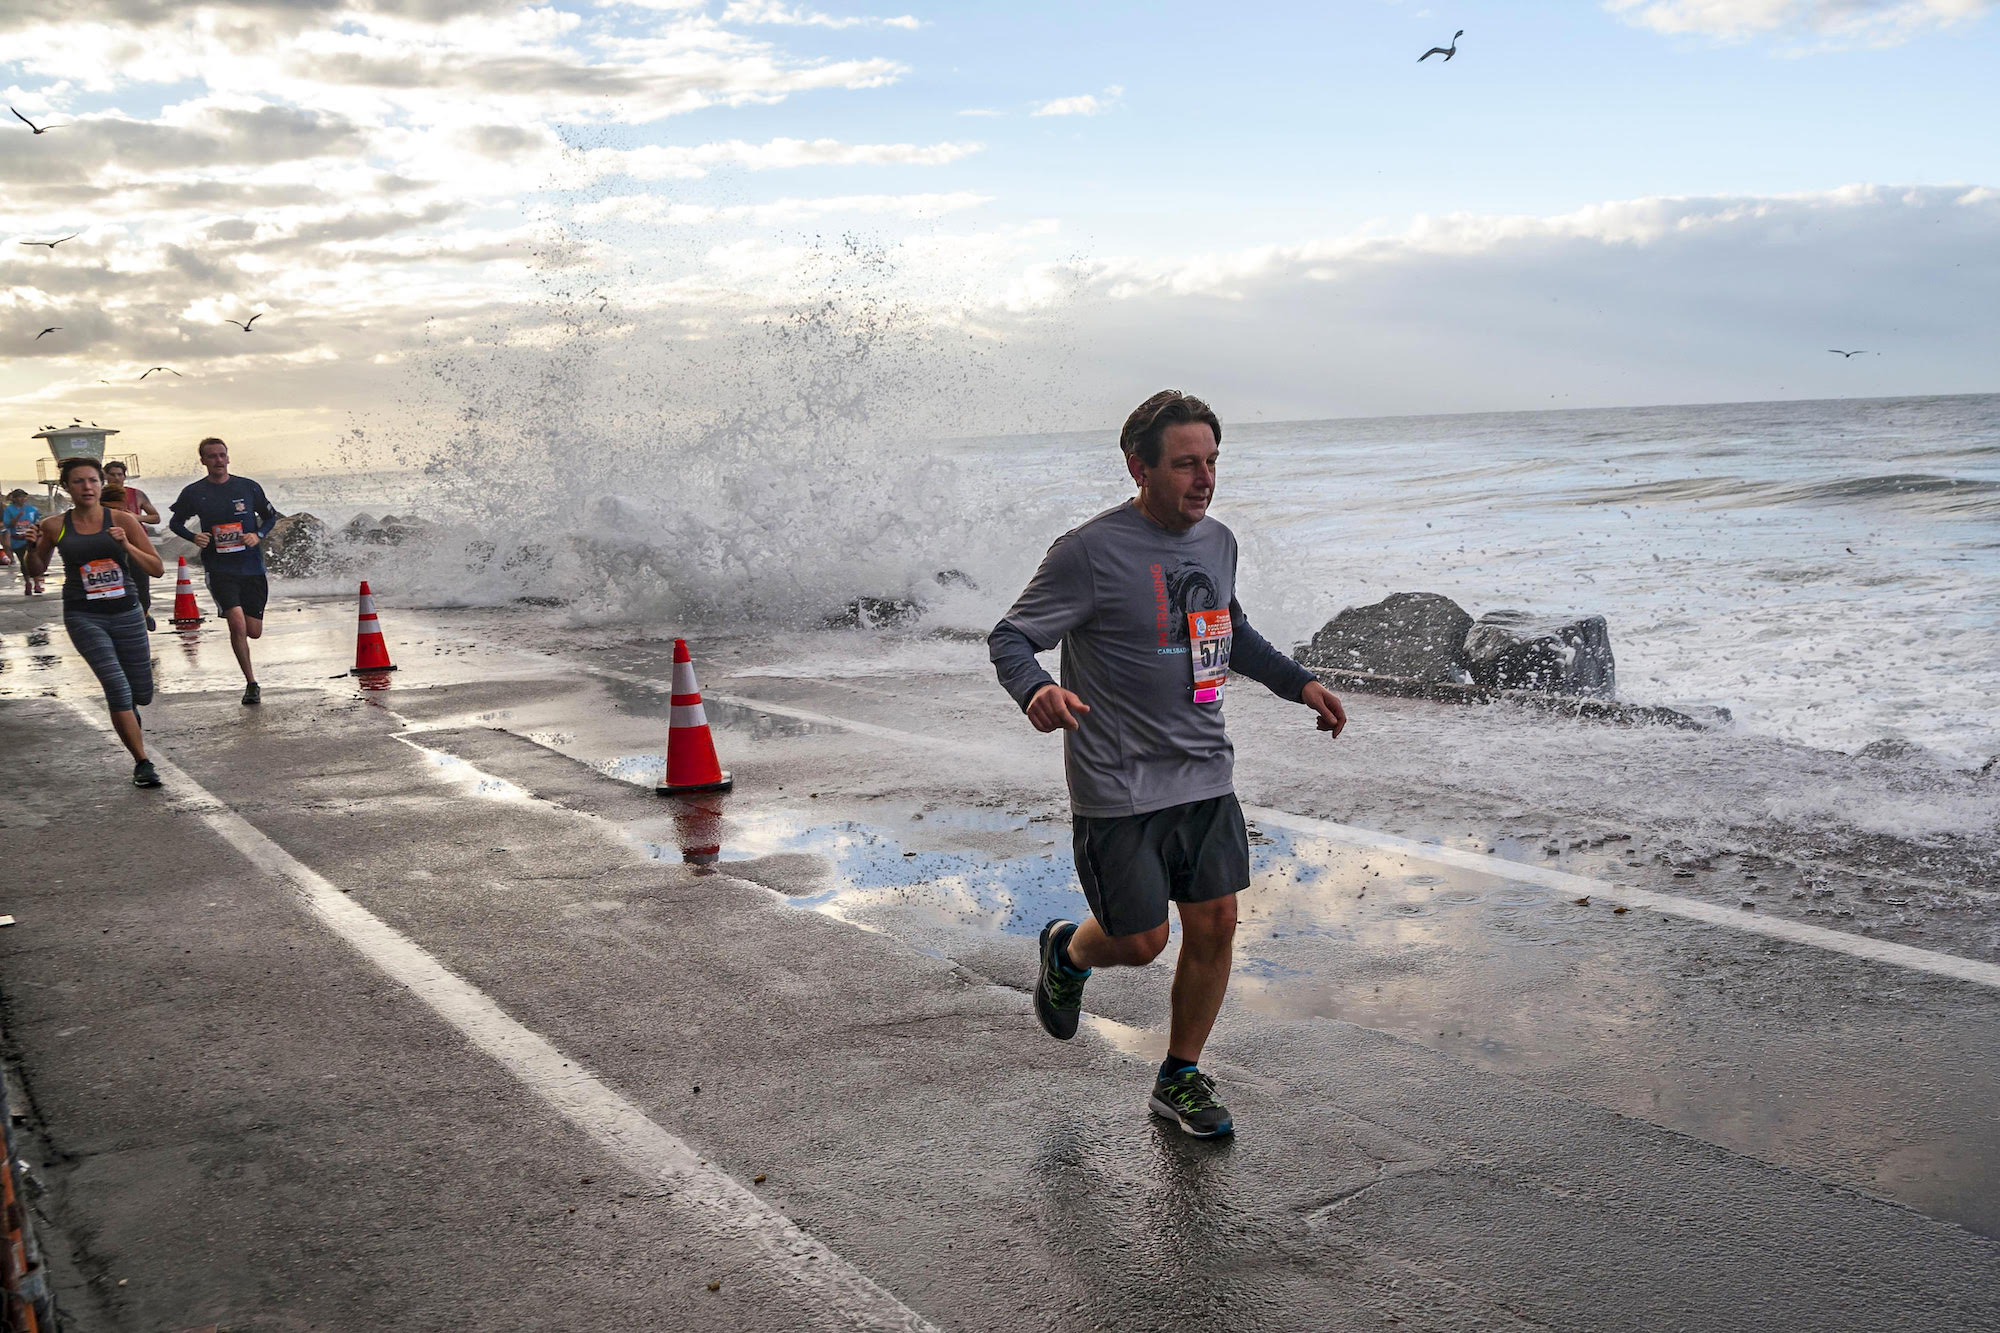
<point x="53" y="328"/>
<point x="169" y="369"/>
<point x="39" y="129"/>
<point x="1446" y="51"/>
<point x="58" y="241"/>
<point x="1856" y="352"/>
<point x="244" y="324"/>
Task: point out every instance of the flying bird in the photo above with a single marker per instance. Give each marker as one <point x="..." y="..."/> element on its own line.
<point x="1856" y="352"/>
<point x="246" y="323"/>
<point x="58" y="241"/>
<point x="39" y="129"/>
<point x="169" y="369"/>
<point x="1446" y="51"/>
<point x="53" y="328"/>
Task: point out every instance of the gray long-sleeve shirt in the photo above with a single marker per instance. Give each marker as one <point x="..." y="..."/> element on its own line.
<point x="1117" y="594"/>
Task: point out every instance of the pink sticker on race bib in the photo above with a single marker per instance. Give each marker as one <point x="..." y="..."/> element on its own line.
<point x="1209" y="637"/>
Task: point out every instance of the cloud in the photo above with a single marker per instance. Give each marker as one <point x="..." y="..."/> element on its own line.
<point x="1880" y="22"/>
<point x="190" y="137"/>
<point x="1085" y="104"/>
<point x="1633" y="301"/>
<point x="651" y="208"/>
<point x="676" y="162"/>
<point x="772" y="12"/>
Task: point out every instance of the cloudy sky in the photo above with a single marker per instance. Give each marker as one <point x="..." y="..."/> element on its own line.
<point x="1594" y="203"/>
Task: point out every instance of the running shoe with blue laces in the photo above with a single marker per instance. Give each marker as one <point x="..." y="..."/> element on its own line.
<point x="1188" y="1097"/>
<point x="1059" y="990"/>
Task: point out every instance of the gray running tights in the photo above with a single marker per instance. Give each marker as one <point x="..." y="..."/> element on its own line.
<point x="119" y="652"/>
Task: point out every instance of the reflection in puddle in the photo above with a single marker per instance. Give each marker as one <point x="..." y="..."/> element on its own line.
<point x="866" y="866"/>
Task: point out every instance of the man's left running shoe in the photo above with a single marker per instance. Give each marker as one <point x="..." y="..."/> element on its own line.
<point x="253" y="693"/>
<point x="144" y="774"/>
<point x="1058" y="989"/>
<point x="1189" y="1098"/>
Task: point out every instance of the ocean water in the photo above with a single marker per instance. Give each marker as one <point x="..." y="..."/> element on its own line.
<point x="1828" y="571"/>
<point x="1824" y="570"/>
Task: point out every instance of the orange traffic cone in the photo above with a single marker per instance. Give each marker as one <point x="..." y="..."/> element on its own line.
<point x="691" y="762"/>
<point x="370" y="653"/>
<point x="185" y="611"/>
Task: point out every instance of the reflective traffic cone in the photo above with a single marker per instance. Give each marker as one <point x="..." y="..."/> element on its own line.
<point x="691" y="762"/>
<point x="185" y="611"/>
<point x="370" y="653"/>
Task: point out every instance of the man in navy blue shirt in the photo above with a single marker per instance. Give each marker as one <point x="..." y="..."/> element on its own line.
<point x="235" y="519"/>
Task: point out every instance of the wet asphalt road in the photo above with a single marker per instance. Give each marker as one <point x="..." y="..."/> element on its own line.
<point x="1484" y="1115"/>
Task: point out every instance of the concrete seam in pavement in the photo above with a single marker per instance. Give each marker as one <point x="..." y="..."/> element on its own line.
<point x="634" y="1140"/>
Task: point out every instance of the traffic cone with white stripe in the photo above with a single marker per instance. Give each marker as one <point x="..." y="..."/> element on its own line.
<point x="691" y="762"/>
<point x="371" y="654"/>
<point x="186" y="613"/>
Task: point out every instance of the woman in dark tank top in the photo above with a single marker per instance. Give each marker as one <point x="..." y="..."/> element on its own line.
<point x="105" y="552"/>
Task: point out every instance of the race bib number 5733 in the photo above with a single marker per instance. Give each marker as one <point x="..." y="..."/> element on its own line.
<point x="1209" y="636"/>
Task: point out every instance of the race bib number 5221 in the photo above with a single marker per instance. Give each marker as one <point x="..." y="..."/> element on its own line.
<point x="1209" y="636"/>
<point x="228" y="537"/>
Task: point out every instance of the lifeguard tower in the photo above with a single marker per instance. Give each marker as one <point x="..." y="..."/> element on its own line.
<point x="77" y="441"/>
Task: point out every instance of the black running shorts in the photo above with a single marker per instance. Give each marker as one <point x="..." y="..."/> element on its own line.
<point x="249" y="591"/>
<point x="1132" y="866"/>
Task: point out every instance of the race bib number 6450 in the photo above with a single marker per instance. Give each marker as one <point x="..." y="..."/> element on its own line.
<point x="1209" y="636"/>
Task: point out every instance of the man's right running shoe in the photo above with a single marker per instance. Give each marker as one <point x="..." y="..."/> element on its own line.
<point x="1058" y="991"/>
<point x="253" y="693"/>
<point x="1189" y="1098"/>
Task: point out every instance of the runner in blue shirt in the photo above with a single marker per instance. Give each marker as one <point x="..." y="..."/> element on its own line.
<point x="235" y="519"/>
<point x="19" y="531"/>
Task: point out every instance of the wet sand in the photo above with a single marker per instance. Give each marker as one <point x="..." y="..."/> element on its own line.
<point x="1466" y="1101"/>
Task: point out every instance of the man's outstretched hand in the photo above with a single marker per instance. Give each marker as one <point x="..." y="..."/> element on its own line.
<point x="1055" y="709"/>
<point x="1332" y="717"/>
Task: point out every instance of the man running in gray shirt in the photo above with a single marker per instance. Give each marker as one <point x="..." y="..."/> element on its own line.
<point x="1142" y="599"/>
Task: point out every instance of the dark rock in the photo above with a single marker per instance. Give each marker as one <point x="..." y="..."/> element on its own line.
<point x="1511" y="650"/>
<point x="393" y="531"/>
<point x="1416" y="636"/>
<point x="356" y="528"/>
<point x="876" y="613"/>
<point x="956" y="578"/>
<point x="1891" y="747"/>
<point x="297" y="547"/>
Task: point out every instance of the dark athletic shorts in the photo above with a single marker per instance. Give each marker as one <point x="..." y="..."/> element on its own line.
<point x="1133" y="865"/>
<point x="249" y="591"/>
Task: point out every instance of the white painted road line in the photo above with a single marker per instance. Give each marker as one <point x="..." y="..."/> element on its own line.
<point x="1781" y="928"/>
<point x="848" y="1297"/>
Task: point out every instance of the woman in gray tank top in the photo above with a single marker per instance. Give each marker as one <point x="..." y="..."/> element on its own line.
<point x="105" y="553"/>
